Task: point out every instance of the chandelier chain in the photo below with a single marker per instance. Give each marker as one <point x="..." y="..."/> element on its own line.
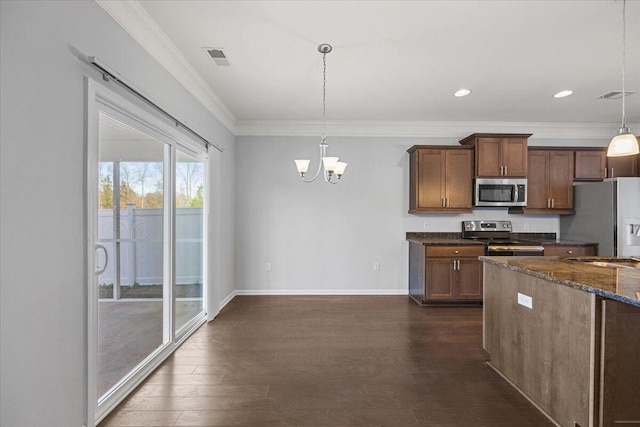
<point x="324" y="93"/>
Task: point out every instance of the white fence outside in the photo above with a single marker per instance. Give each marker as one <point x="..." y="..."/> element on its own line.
<point x="141" y="246"/>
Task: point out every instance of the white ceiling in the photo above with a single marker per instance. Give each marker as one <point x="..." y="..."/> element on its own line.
<point x="402" y="61"/>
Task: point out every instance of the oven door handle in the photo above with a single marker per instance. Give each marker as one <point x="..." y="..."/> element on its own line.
<point x="493" y="248"/>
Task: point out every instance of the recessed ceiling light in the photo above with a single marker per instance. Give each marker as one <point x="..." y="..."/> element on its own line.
<point x="563" y="93"/>
<point x="462" y="92"/>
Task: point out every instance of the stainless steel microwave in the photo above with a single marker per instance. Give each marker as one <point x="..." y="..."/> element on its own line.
<point x="500" y="192"/>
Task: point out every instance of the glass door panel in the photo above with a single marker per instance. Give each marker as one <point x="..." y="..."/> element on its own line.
<point x="131" y="229"/>
<point x="189" y="250"/>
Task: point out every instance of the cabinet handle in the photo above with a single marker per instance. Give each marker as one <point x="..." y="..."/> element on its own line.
<point x="456" y="252"/>
<point x="612" y="175"/>
<point x="553" y="202"/>
<point x="447" y="205"/>
<point x="548" y="203"/>
<point x="506" y="171"/>
<point x="569" y="251"/>
<point x="454" y="265"/>
<point x="442" y="202"/>
<point x="605" y="172"/>
<point x="458" y="261"/>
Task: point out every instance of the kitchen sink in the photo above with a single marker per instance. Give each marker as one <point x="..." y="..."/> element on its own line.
<point x="612" y="262"/>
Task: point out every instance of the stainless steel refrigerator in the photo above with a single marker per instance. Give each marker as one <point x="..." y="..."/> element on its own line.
<point x="607" y="213"/>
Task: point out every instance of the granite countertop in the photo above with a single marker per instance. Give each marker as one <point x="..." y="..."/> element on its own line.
<point x="620" y="284"/>
<point x="443" y="239"/>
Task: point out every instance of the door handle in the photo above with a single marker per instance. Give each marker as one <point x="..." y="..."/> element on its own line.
<point x="99" y="271"/>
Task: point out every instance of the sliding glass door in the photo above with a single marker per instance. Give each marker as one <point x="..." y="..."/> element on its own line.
<point x="146" y="204"/>
<point x="190" y="180"/>
<point x="131" y="213"/>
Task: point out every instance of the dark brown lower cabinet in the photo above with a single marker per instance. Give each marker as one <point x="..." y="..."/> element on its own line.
<point x="445" y="274"/>
<point x="620" y="381"/>
<point x="573" y="353"/>
<point x="564" y="250"/>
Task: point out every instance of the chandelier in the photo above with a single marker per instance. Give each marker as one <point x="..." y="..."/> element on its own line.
<point x="333" y="169"/>
<point x="623" y="144"/>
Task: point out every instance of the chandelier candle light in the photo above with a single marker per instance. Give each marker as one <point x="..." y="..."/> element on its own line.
<point x="623" y="144"/>
<point x="332" y="167"/>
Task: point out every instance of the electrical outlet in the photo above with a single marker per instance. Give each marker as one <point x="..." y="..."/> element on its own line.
<point x="376" y="266"/>
<point x="268" y="266"/>
<point x="426" y="226"/>
<point x="525" y="300"/>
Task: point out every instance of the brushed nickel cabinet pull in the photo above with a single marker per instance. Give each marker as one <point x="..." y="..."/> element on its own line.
<point x="506" y="170"/>
<point x="553" y="203"/>
<point x="605" y="172"/>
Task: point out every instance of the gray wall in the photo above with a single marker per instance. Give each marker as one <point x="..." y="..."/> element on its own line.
<point x="325" y="238"/>
<point x="42" y="124"/>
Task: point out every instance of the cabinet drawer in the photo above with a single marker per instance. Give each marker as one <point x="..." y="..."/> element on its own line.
<point x="455" y="251"/>
<point x="560" y="250"/>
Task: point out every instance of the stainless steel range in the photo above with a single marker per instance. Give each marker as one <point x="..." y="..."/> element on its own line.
<point x="498" y="239"/>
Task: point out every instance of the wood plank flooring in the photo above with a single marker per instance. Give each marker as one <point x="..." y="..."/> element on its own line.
<point x="330" y="361"/>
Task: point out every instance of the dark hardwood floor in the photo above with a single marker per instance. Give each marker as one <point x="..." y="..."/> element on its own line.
<point x="330" y="361"/>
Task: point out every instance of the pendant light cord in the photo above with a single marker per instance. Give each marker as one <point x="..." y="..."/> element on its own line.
<point x="624" y="51"/>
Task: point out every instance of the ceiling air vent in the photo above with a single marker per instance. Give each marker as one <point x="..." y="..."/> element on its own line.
<point x="616" y="94"/>
<point x="218" y="56"/>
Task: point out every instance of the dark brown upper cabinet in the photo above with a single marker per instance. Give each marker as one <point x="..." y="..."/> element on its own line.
<point x="550" y="182"/>
<point x="440" y="179"/>
<point x="592" y="164"/>
<point x="499" y="155"/>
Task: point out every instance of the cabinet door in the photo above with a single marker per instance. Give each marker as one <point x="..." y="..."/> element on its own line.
<point x="439" y="280"/>
<point x="459" y="178"/>
<point x="430" y="179"/>
<point x="561" y="179"/>
<point x="514" y="157"/>
<point x="469" y="279"/>
<point x="622" y="166"/>
<point x="537" y="183"/>
<point x="488" y="162"/>
<point x="590" y="165"/>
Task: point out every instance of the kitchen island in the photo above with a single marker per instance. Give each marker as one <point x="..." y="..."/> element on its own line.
<point x="566" y="333"/>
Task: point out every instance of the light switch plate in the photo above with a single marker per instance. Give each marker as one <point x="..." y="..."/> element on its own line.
<point x="525" y="300"/>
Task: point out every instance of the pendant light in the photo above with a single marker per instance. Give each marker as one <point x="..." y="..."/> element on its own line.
<point x="623" y="144"/>
<point x="332" y="166"/>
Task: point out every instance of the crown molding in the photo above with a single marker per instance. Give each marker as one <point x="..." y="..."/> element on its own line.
<point x="136" y="21"/>
<point x="424" y="129"/>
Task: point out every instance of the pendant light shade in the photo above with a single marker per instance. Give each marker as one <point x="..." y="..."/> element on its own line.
<point x="623" y="144"/>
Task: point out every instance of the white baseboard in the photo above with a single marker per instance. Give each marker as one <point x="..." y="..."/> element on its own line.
<point x="228" y="299"/>
<point x="321" y="292"/>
